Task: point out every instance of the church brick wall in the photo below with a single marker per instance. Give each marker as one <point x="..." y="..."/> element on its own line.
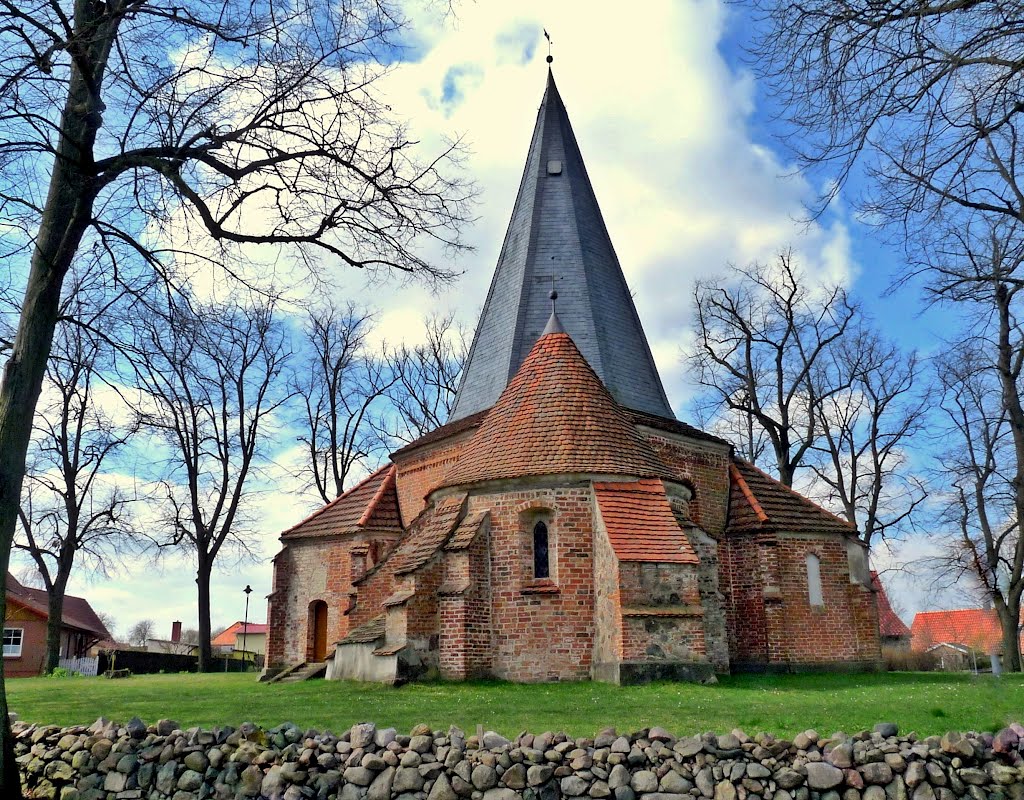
<point x="676" y="638"/>
<point x="741" y="573"/>
<point x="844" y="628"/>
<point x="421" y="471"/>
<point x="706" y="468"/>
<point x="465" y="633"/>
<point x="607" y="599"/>
<point x="308" y="570"/>
<point x="540" y="636"/>
<point x="660" y="588"/>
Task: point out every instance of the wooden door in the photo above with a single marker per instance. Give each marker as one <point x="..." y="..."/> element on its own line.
<point x="320" y="631"/>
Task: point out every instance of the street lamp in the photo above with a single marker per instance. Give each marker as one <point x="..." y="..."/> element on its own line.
<point x="245" y="625"/>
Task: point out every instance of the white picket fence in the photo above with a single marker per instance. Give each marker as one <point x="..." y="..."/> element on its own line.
<point x="84" y="666"/>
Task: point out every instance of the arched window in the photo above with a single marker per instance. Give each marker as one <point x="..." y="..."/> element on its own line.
<point x="814" y="580"/>
<point x="541" y="564"/>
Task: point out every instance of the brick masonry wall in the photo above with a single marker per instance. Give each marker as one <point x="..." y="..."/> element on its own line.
<point x="741" y="583"/>
<point x="422" y="470"/>
<point x="706" y="468"/>
<point x="305" y="571"/>
<point x="33" y="643"/>
<point x="607" y="598"/>
<point x="844" y="628"/>
<point x="541" y="636"/>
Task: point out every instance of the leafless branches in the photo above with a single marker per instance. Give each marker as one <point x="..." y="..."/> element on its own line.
<point x="211" y="380"/>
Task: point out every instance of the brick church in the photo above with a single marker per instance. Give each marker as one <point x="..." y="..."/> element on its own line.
<point x="564" y="525"/>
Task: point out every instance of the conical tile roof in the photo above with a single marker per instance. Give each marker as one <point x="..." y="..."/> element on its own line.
<point x="557" y="239"/>
<point x="555" y="417"/>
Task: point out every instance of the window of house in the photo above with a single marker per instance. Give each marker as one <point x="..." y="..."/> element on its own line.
<point x="814" y="594"/>
<point x="541" y="562"/>
<point x="12" y="642"/>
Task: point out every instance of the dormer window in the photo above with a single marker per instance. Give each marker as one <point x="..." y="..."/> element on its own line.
<point x="541" y="561"/>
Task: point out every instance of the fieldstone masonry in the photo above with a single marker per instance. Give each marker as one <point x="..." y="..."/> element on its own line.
<point x="108" y="761"/>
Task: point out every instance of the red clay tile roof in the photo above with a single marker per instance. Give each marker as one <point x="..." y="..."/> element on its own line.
<point x="371" y="504"/>
<point x="977" y="628"/>
<point x="227" y="636"/>
<point x="467" y="531"/>
<point x="555" y="417"/>
<point x="367" y="633"/>
<point x="427" y="534"/>
<point x="672" y="426"/>
<point x="640" y="522"/>
<point x="77" y="613"/>
<point x="448" y="429"/>
<point x="889" y="624"/>
<point x="759" y="502"/>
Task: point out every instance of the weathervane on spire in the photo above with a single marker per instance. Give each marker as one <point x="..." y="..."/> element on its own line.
<point x="547" y="36"/>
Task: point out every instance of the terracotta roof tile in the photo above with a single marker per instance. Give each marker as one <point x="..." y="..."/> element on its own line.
<point x="555" y="417"/>
<point x="454" y="428"/>
<point x="889" y="624"/>
<point x="673" y="426"/>
<point x="759" y="502"/>
<point x="367" y="633"/>
<point x="427" y="534"/>
<point x="227" y="636"/>
<point x="370" y="504"/>
<point x="467" y="531"/>
<point x="77" y="613"/>
<point x="977" y="628"/>
<point x="640" y="522"/>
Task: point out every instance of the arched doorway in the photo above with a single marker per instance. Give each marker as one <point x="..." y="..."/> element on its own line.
<point x="318" y="630"/>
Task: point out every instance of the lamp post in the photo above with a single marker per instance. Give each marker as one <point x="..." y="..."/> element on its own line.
<point x="245" y="625"/>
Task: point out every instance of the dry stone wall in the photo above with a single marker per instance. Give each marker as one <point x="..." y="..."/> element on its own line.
<point x="106" y="761"/>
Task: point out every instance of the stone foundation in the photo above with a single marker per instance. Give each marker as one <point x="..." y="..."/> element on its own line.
<point x="106" y="761"/>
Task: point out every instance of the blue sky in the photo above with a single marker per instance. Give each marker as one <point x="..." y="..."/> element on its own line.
<point x="680" y="146"/>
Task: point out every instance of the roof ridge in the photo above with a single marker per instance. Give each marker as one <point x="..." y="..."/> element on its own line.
<point x="337" y="499"/>
<point x="388" y="482"/>
<point x="796" y="494"/>
<point x="747" y="493"/>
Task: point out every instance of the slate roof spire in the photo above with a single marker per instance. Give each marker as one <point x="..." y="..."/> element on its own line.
<point x="557" y="233"/>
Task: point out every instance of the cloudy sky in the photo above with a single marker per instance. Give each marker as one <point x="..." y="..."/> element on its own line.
<point x="675" y="134"/>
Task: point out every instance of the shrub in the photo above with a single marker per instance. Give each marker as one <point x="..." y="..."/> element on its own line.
<point x="61" y="672"/>
<point x="900" y="659"/>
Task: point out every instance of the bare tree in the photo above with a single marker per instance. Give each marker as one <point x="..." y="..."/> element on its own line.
<point x="426" y="379"/>
<point x="109" y="623"/>
<point x="72" y="516"/>
<point x="175" y="136"/>
<point x="140" y="632"/>
<point x="924" y="96"/>
<point x="343" y="386"/>
<point x="861" y="458"/>
<point x="211" y="379"/>
<point x="981" y="271"/>
<point x="763" y="354"/>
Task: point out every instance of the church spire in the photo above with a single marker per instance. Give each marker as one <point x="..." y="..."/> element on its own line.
<point x="557" y="233"/>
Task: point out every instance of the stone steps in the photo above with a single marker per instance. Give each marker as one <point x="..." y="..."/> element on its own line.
<point x="304" y="672"/>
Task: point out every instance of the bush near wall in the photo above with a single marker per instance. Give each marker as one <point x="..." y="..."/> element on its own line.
<point x="106" y="761"/>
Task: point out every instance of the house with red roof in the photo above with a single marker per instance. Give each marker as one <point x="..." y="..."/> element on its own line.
<point x="974" y="629"/>
<point x="242" y="637"/>
<point x="25" y="629"/>
<point x="891" y="628"/>
<point x="563" y="524"/>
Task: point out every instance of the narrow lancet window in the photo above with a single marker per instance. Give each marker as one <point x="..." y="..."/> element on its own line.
<point x="541" y="568"/>
<point x="814" y="580"/>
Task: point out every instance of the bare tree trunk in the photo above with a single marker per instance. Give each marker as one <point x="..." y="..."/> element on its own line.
<point x="53" y="630"/>
<point x="205" y="648"/>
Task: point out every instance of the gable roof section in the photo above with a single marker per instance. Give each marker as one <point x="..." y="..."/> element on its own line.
<point x="555" y="417"/>
<point x="759" y="502"/>
<point x="427" y="534"/>
<point x="446" y="431"/>
<point x="77" y="612"/>
<point x="372" y="504"/>
<point x="889" y="624"/>
<point x="640" y="522"/>
<point x="977" y="628"/>
<point x="557" y="231"/>
<point x="227" y="636"/>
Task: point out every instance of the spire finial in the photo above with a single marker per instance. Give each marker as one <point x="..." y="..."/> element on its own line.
<point x="554" y="324"/>
<point x="547" y="36"/>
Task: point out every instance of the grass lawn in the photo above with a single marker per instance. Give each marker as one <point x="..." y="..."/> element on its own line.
<point x="926" y="702"/>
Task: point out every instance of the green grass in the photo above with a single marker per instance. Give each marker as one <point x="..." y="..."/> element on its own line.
<point x="926" y="702"/>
